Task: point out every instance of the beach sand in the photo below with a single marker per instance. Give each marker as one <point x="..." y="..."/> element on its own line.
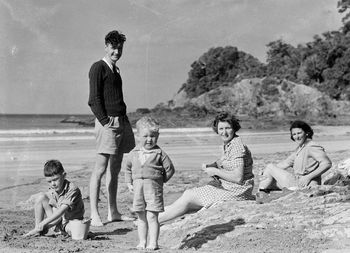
<point x="21" y="165"/>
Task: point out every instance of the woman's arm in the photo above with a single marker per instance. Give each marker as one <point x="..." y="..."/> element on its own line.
<point x="231" y="165"/>
<point x="235" y="176"/>
<point x="325" y="164"/>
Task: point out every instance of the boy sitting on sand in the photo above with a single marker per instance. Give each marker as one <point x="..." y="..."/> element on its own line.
<point x="147" y="168"/>
<point x="61" y="204"/>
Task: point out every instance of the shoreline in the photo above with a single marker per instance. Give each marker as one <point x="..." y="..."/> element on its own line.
<point x="57" y="134"/>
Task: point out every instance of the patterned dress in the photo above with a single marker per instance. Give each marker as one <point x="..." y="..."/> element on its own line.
<point x="236" y="156"/>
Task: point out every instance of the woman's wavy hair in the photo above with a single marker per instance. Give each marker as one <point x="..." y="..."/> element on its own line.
<point x="226" y="117"/>
<point x="301" y="124"/>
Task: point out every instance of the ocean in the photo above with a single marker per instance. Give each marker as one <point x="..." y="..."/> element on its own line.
<point x="39" y="121"/>
<point x="49" y="127"/>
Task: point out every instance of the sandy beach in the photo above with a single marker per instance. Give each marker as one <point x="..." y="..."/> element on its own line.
<point x="22" y="156"/>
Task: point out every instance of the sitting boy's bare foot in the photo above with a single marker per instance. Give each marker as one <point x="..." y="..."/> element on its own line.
<point x="96" y="222"/>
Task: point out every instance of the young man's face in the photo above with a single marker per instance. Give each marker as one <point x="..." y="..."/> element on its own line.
<point x="113" y="53"/>
<point x="147" y="138"/>
<point x="56" y="182"/>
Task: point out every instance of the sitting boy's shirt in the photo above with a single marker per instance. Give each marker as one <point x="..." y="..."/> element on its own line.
<point x="148" y="164"/>
<point x="70" y="196"/>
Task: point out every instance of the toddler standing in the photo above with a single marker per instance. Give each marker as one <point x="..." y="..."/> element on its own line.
<point x="147" y="168"/>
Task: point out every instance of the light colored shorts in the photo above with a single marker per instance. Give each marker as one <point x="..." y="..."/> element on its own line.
<point x="112" y="140"/>
<point x="148" y="195"/>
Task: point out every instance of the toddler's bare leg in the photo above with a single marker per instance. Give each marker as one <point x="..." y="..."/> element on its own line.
<point x="153" y="225"/>
<point x="142" y="229"/>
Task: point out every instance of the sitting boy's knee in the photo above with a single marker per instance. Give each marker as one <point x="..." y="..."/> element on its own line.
<point x="40" y="197"/>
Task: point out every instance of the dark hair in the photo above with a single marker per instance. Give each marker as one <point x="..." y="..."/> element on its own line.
<point x="52" y="168"/>
<point x="301" y="124"/>
<point x="115" y="38"/>
<point x="226" y="117"/>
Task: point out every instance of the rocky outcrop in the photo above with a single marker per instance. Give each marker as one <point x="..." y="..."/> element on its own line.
<point x="321" y="213"/>
<point x="266" y="98"/>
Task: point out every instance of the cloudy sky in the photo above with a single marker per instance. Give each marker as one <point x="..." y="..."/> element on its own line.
<point x="48" y="46"/>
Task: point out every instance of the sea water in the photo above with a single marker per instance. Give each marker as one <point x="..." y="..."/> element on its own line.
<point x="38" y="121"/>
<point x="47" y="127"/>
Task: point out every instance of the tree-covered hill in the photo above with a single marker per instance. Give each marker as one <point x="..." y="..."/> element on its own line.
<point x="310" y="81"/>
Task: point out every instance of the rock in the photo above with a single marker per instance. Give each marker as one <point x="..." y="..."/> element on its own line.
<point x="259" y="98"/>
<point x="321" y="212"/>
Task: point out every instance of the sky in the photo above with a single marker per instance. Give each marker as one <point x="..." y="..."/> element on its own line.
<point x="48" y="46"/>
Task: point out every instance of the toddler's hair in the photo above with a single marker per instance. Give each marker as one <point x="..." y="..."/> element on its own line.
<point x="52" y="168"/>
<point x="149" y="123"/>
<point x="115" y="38"/>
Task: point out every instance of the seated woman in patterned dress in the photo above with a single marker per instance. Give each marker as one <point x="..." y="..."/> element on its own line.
<point x="232" y="173"/>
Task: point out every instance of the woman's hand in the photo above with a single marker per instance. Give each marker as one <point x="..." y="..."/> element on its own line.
<point x="211" y="171"/>
<point x="304" y="181"/>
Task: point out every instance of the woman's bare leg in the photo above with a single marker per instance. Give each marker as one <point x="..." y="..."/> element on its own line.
<point x="182" y="205"/>
<point x="282" y="177"/>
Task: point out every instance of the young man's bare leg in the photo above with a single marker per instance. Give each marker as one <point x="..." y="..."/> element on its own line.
<point x="95" y="184"/>
<point x="115" y="162"/>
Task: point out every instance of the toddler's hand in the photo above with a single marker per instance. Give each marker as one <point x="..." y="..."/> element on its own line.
<point x="131" y="188"/>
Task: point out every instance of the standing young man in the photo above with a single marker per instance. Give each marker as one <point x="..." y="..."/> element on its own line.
<point x="114" y="135"/>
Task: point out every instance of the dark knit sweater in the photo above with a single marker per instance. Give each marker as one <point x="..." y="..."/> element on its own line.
<point x="106" y="94"/>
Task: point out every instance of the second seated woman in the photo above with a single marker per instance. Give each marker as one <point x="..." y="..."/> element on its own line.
<point x="307" y="163"/>
<point x="232" y="173"/>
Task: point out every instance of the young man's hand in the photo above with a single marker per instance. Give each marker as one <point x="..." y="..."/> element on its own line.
<point x="113" y="123"/>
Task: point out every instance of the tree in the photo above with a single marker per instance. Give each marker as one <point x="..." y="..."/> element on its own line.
<point x="220" y="66"/>
<point x="283" y="60"/>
